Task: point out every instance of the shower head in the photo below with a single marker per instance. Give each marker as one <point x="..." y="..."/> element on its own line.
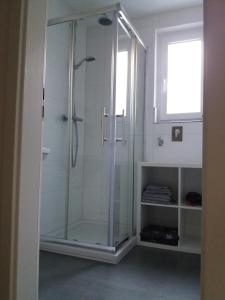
<point x="105" y="20"/>
<point x="86" y="59"/>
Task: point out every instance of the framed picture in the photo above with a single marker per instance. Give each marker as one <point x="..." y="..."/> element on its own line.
<point x="177" y="134"/>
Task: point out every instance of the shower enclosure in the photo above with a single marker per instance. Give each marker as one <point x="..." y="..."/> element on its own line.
<point x="92" y="130"/>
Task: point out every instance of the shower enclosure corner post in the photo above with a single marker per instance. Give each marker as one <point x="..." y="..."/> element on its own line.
<point x="133" y="107"/>
<point x="71" y="108"/>
<point x="113" y="131"/>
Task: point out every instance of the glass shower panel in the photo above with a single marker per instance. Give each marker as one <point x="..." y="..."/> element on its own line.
<point x="56" y="133"/>
<point x="89" y="179"/>
<point x="124" y="138"/>
<point x="140" y="66"/>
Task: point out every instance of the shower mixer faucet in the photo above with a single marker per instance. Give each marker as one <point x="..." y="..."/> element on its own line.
<point x="64" y="118"/>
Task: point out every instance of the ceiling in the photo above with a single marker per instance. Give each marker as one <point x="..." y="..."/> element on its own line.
<point x="134" y="8"/>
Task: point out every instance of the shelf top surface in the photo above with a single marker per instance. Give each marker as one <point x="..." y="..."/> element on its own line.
<point x="191" y="207"/>
<point x="159" y="204"/>
<point x="150" y="164"/>
<point x="172" y="205"/>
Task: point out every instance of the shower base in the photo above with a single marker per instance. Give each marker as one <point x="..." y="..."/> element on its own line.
<point x="88" y="240"/>
<point x="102" y="254"/>
<point x="94" y="233"/>
<point x="88" y="232"/>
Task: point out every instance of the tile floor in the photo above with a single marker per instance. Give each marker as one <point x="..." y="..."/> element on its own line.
<point x="147" y="274"/>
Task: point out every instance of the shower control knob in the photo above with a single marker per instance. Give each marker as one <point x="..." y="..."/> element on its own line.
<point x="64" y="118"/>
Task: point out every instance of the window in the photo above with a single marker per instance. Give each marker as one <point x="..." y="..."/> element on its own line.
<point x="178" y="90"/>
<point x="121" y="82"/>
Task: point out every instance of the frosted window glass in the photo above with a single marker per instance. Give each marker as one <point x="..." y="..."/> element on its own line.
<point x="184" y="77"/>
<point x="121" y="82"/>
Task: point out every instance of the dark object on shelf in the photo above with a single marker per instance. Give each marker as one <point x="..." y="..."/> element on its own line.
<point x="193" y="199"/>
<point x="160" y="235"/>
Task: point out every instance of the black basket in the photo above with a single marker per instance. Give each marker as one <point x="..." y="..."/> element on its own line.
<point x="160" y="234"/>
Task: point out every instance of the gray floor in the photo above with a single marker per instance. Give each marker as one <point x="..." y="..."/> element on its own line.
<point x="143" y="274"/>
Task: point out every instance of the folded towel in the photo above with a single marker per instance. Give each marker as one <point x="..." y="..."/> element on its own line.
<point x="157" y="194"/>
<point x="157" y="188"/>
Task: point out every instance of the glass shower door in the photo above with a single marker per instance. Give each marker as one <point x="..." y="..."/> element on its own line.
<point x="88" y="219"/>
<point x="56" y="133"/>
<point x="123" y="203"/>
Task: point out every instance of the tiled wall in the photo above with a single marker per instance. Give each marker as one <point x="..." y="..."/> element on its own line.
<point x="190" y="150"/>
<point x="76" y="174"/>
<point x="96" y="162"/>
<point x="58" y="8"/>
<point x="55" y="131"/>
<point x="89" y="182"/>
<point x="96" y="155"/>
<point x="57" y="185"/>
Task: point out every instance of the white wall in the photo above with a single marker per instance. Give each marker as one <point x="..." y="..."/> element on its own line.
<point x="57" y="8"/>
<point x="55" y="131"/>
<point x="96" y="155"/>
<point x="190" y="150"/>
<point x="88" y="181"/>
<point x="76" y="174"/>
<point x="55" y="166"/>
<point x="26" y="212"/>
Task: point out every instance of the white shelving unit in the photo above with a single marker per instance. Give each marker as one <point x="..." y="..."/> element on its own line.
<point x="181" y="179"/>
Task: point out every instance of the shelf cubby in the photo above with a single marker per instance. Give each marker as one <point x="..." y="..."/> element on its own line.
<point x="161" y="177"/>
<point x="191" y="181"/>
<point x="159" y="215"/>
<point x="190" y="229"/>
<point x="181" y="179"/>
<point x="155" y="215"/>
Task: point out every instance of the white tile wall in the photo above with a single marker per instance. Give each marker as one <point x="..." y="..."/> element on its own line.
<point x="56" y="187"/>
<point x="190" y="150"/>
<point x="88" y="196"/>
<point x="76" y="176"/>
<point x="58" y="8"/>
<point x="96" y="163"/>
<point x="55" y="132"/>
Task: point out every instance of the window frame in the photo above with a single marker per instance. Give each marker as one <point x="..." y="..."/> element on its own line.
<point x="163" y="38"/>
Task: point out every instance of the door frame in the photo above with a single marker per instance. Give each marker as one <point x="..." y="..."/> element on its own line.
<point x="21" y="81"/>
<point x="213" y="253"/>
<point x="22" y="32"/>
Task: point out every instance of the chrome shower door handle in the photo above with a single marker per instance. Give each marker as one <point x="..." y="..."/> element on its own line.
<point x="119" y="140"/>
<point x="122" y="139"/>
<point x="73" y="125"/>
<point x="122" y="115"/>
<point x="104" y="116"/>
<point x="74" y="144"/>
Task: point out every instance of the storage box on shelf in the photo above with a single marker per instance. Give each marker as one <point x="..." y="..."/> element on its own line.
<point x="178" y="213"/>
<point x="191" y="180"/>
